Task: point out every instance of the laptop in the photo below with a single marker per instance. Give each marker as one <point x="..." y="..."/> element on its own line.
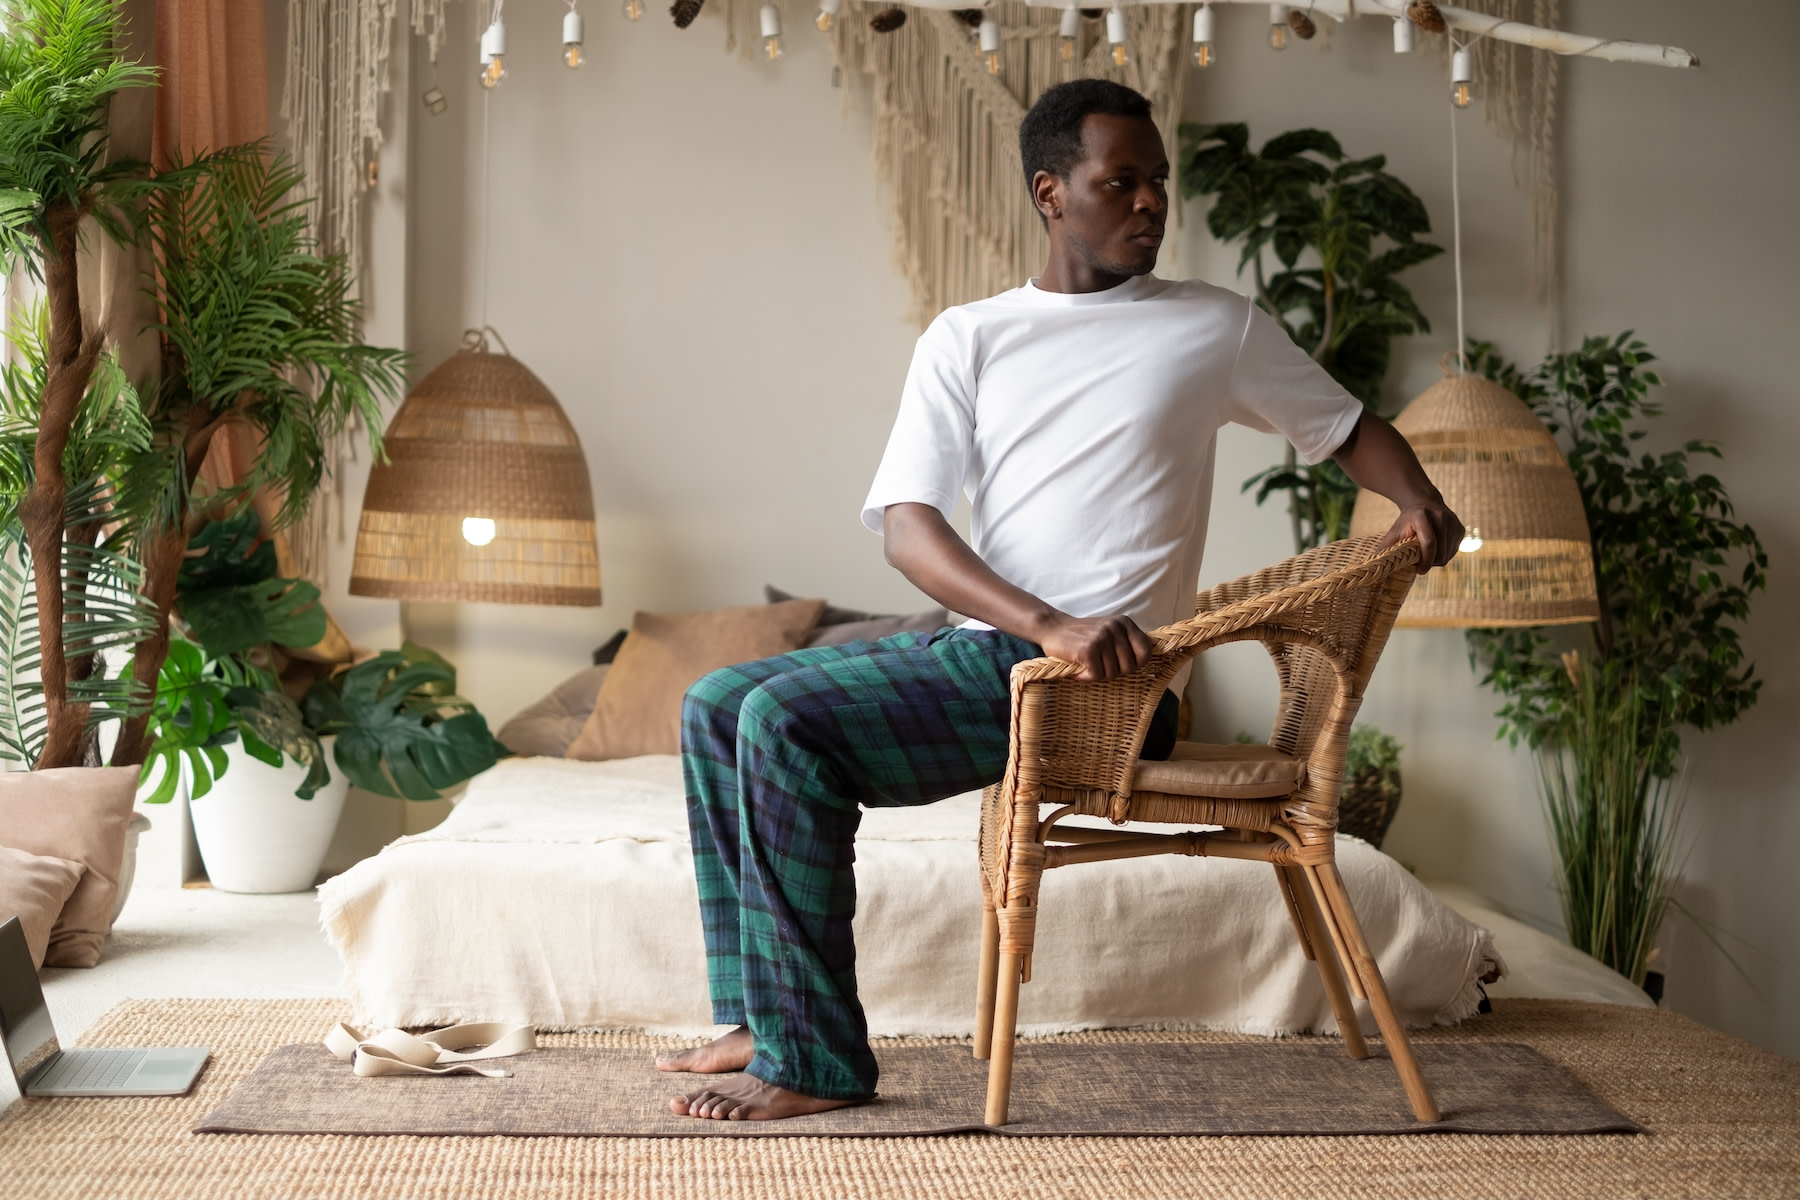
<point x="43" y="1068"/>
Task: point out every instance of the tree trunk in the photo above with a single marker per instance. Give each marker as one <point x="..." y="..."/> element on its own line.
<point x="70" y="363"/>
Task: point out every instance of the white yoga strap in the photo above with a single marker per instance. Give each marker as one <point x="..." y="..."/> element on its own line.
<point x="440" y="1052"/>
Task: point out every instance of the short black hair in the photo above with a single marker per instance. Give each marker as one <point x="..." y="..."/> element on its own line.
<point x="1050" y="134"/>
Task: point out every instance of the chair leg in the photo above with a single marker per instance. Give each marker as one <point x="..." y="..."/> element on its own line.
<point x="1006" y="1023"/>
<point x="1324" y="956"/>
<point x="1418" y="1092"/>
<point x="987" y="979"/>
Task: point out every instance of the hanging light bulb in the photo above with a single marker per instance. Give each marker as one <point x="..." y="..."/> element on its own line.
<point x="1115" y="33"/>
<point x="771" y="31"/>
<point x="1071" y="29"/>
<point x="572" y="37"/>
<point x="478" y="531"/>
<point x="1462" y="72"/>
<point x="1203" y="36"/>
<point x="827" y="10"/>
<point x="1278" y="26"/>
<point x="1403" y="36"/>
<point x="633" y="9"/>
<point x="1471" y="541"/>
<point x="493" y="53"/>
<point x="989" y="32"/>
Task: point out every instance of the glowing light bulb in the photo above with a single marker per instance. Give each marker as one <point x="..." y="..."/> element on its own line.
<point x="827" y="12"/>
<point x="1069" y="31"/>
<point x="572" y="39"/>
<point x="771" y="31"/>
<point x="1203" y="36"/>
<point x="1403" y="36"/>
<point x="493" y="54"/>
<point x="1471" y="541"/>
<point x="1462" y="71"/>
<point x="1115" y="33"/>
<point x="1278" y="26"/>
<point x="990" y="44"/>
<point x="478" y="531"/>
<point x="633" y="9"/>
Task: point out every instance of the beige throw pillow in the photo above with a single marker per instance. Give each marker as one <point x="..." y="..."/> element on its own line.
<point x="77" y="813"/>
<point x="33" y="888"/>
<point x="639" y="707"/>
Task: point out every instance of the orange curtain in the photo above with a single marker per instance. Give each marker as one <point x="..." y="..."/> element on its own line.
<point x="215" y="89"/>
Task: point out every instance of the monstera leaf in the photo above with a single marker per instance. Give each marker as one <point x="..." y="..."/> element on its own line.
<point x="271" y="726"/>
<point x="401" y="728"/>
<point x="230" y="597"/>
<point x="190" y="720"/>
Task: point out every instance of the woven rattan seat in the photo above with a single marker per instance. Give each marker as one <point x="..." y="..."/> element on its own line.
<point x="1324" y="618"/>
<point x="1235" y="772"/>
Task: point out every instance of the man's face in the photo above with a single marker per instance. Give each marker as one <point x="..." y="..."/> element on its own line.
<point x="1111" y="209"/>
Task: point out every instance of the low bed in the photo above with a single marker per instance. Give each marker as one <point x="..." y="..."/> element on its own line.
<point x="561" y="893"/>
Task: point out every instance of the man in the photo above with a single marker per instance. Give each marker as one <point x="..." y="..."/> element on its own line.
<point x="1080" y="413"/>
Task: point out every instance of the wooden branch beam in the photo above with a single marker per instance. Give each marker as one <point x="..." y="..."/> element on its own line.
<point x="1465" y="20"/>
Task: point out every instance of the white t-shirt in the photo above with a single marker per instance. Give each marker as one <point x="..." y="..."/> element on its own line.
<point x="1083" y="426"/>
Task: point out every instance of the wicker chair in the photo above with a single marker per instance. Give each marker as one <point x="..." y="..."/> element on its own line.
<point x="1324" y="618"/>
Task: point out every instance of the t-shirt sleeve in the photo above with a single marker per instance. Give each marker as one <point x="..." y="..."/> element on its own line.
<point x="1277" y="388"/>
<point x="928" y="452"/>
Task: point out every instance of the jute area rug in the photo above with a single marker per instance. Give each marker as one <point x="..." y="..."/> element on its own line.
<point x="1722" y="1120"/>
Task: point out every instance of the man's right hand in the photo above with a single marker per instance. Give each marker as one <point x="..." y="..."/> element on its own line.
<point x="1105" y="647"/>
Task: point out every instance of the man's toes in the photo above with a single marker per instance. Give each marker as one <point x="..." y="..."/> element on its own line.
<point x="679" y="1106"/>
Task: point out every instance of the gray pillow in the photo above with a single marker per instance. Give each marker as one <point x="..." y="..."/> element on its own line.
<point x="840" y="625"/>
<point x="547" y="727"/>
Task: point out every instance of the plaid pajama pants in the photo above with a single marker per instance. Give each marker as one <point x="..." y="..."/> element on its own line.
<point x="779" y="757"/>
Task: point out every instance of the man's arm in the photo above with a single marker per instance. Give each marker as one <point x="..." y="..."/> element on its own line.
<point x="923" y="547"/>
<point x="1378" y="458"/>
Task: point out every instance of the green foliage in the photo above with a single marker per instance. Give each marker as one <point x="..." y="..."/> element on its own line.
<point x="402" y="730"/>
<point x="1675" y="571"/>
<point x="259" y="329"/>
<point x="192" y="721"/>
<point x="1614" y="819"/>
<point x="59" y="69"/>
<point x="230" y="598"/>
<point x="1343" y="304"/>
<point x="103" y="610"/>
<point x="1373" y="760"/>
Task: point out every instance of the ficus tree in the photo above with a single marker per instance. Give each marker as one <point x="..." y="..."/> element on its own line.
<point x="59" y="70"/>
<point x="1339" y="231"/>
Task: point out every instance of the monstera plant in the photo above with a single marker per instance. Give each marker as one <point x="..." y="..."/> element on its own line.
<point x="401" y="730"/>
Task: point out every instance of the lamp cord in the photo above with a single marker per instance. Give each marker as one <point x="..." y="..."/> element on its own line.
<point x="487" y="202"/>
<point x="1462" y="361"/>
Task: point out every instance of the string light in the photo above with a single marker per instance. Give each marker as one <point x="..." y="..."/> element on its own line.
<point x="990" y="43"/>
<point x="827" y="11"/>
<point x="633" y="9"/>
<point x="1115" y="33"/>
<point x="1203" y="36"/>
<point x="1462" y="72"/>
<point x="1403" y="35"/>
<point x="1071" y="29"/>
<point x="1278" y="26"/>
<point x="771" y="31"/>
<point x="493" y="52"/>
<point x="572" y="37"/>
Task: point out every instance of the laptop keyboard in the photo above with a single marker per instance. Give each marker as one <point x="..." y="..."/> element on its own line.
<point x="90" y="1069"/>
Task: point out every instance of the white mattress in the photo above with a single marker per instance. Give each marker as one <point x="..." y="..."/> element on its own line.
<point x="562" y="894"/>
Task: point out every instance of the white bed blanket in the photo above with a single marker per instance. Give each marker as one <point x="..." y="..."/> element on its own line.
<point x="561" y="894"/>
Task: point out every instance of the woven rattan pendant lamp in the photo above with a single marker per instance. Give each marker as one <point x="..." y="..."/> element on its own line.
<point x="485" y="494"/>
<point x="1527" y="559"/>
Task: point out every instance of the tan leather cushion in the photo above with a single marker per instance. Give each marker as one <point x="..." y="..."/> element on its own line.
<point x="639" y="706"/>
<point x="33" y="888"/>
<point x="1235" y="772"/>
<point x="77" y="813"/>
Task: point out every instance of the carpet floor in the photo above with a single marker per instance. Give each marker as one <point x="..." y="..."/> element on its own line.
<point x="1723" y="1120"/>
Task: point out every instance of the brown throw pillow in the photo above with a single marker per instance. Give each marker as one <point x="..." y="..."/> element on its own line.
<point x="547" y="727"/>
<point x="77" y="813"/>
<point x="33" y="888"/>
<point x="639" y="707"/>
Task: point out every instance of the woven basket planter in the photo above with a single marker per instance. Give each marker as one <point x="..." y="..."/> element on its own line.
<point x="1371" y="798"/>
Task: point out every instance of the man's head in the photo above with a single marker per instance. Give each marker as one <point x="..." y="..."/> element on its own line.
<point x="1095" y="165"/>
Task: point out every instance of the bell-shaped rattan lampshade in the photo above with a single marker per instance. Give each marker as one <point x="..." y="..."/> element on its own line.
<point x="1504" y="475"/>
<point x="485" y="493"/>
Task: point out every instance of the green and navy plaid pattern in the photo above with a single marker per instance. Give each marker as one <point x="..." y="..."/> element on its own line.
<point x="779" y="756"/>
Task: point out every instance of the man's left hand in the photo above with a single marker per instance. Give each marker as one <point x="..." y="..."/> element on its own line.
<point x="1437" y="528"/>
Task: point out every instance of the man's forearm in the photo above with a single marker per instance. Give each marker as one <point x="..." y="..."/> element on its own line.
<point x="1378" y="458"/>
<point x="922" y="546"/>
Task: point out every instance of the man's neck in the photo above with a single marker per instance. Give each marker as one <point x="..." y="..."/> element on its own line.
<point x="1066" y="273"/>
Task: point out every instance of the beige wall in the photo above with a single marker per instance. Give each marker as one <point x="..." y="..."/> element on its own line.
<point x="691" y="250"/>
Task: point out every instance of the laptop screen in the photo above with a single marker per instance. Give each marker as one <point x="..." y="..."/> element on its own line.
<point x="24" y="1019"/>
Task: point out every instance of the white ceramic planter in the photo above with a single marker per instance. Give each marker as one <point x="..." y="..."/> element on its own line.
<point x="140" y="825"/>
<point x="255" y="835"/>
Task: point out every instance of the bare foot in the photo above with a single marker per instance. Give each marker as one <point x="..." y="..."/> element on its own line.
<point x="720" y="1056"/>
<point x="748" y="1098"/>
